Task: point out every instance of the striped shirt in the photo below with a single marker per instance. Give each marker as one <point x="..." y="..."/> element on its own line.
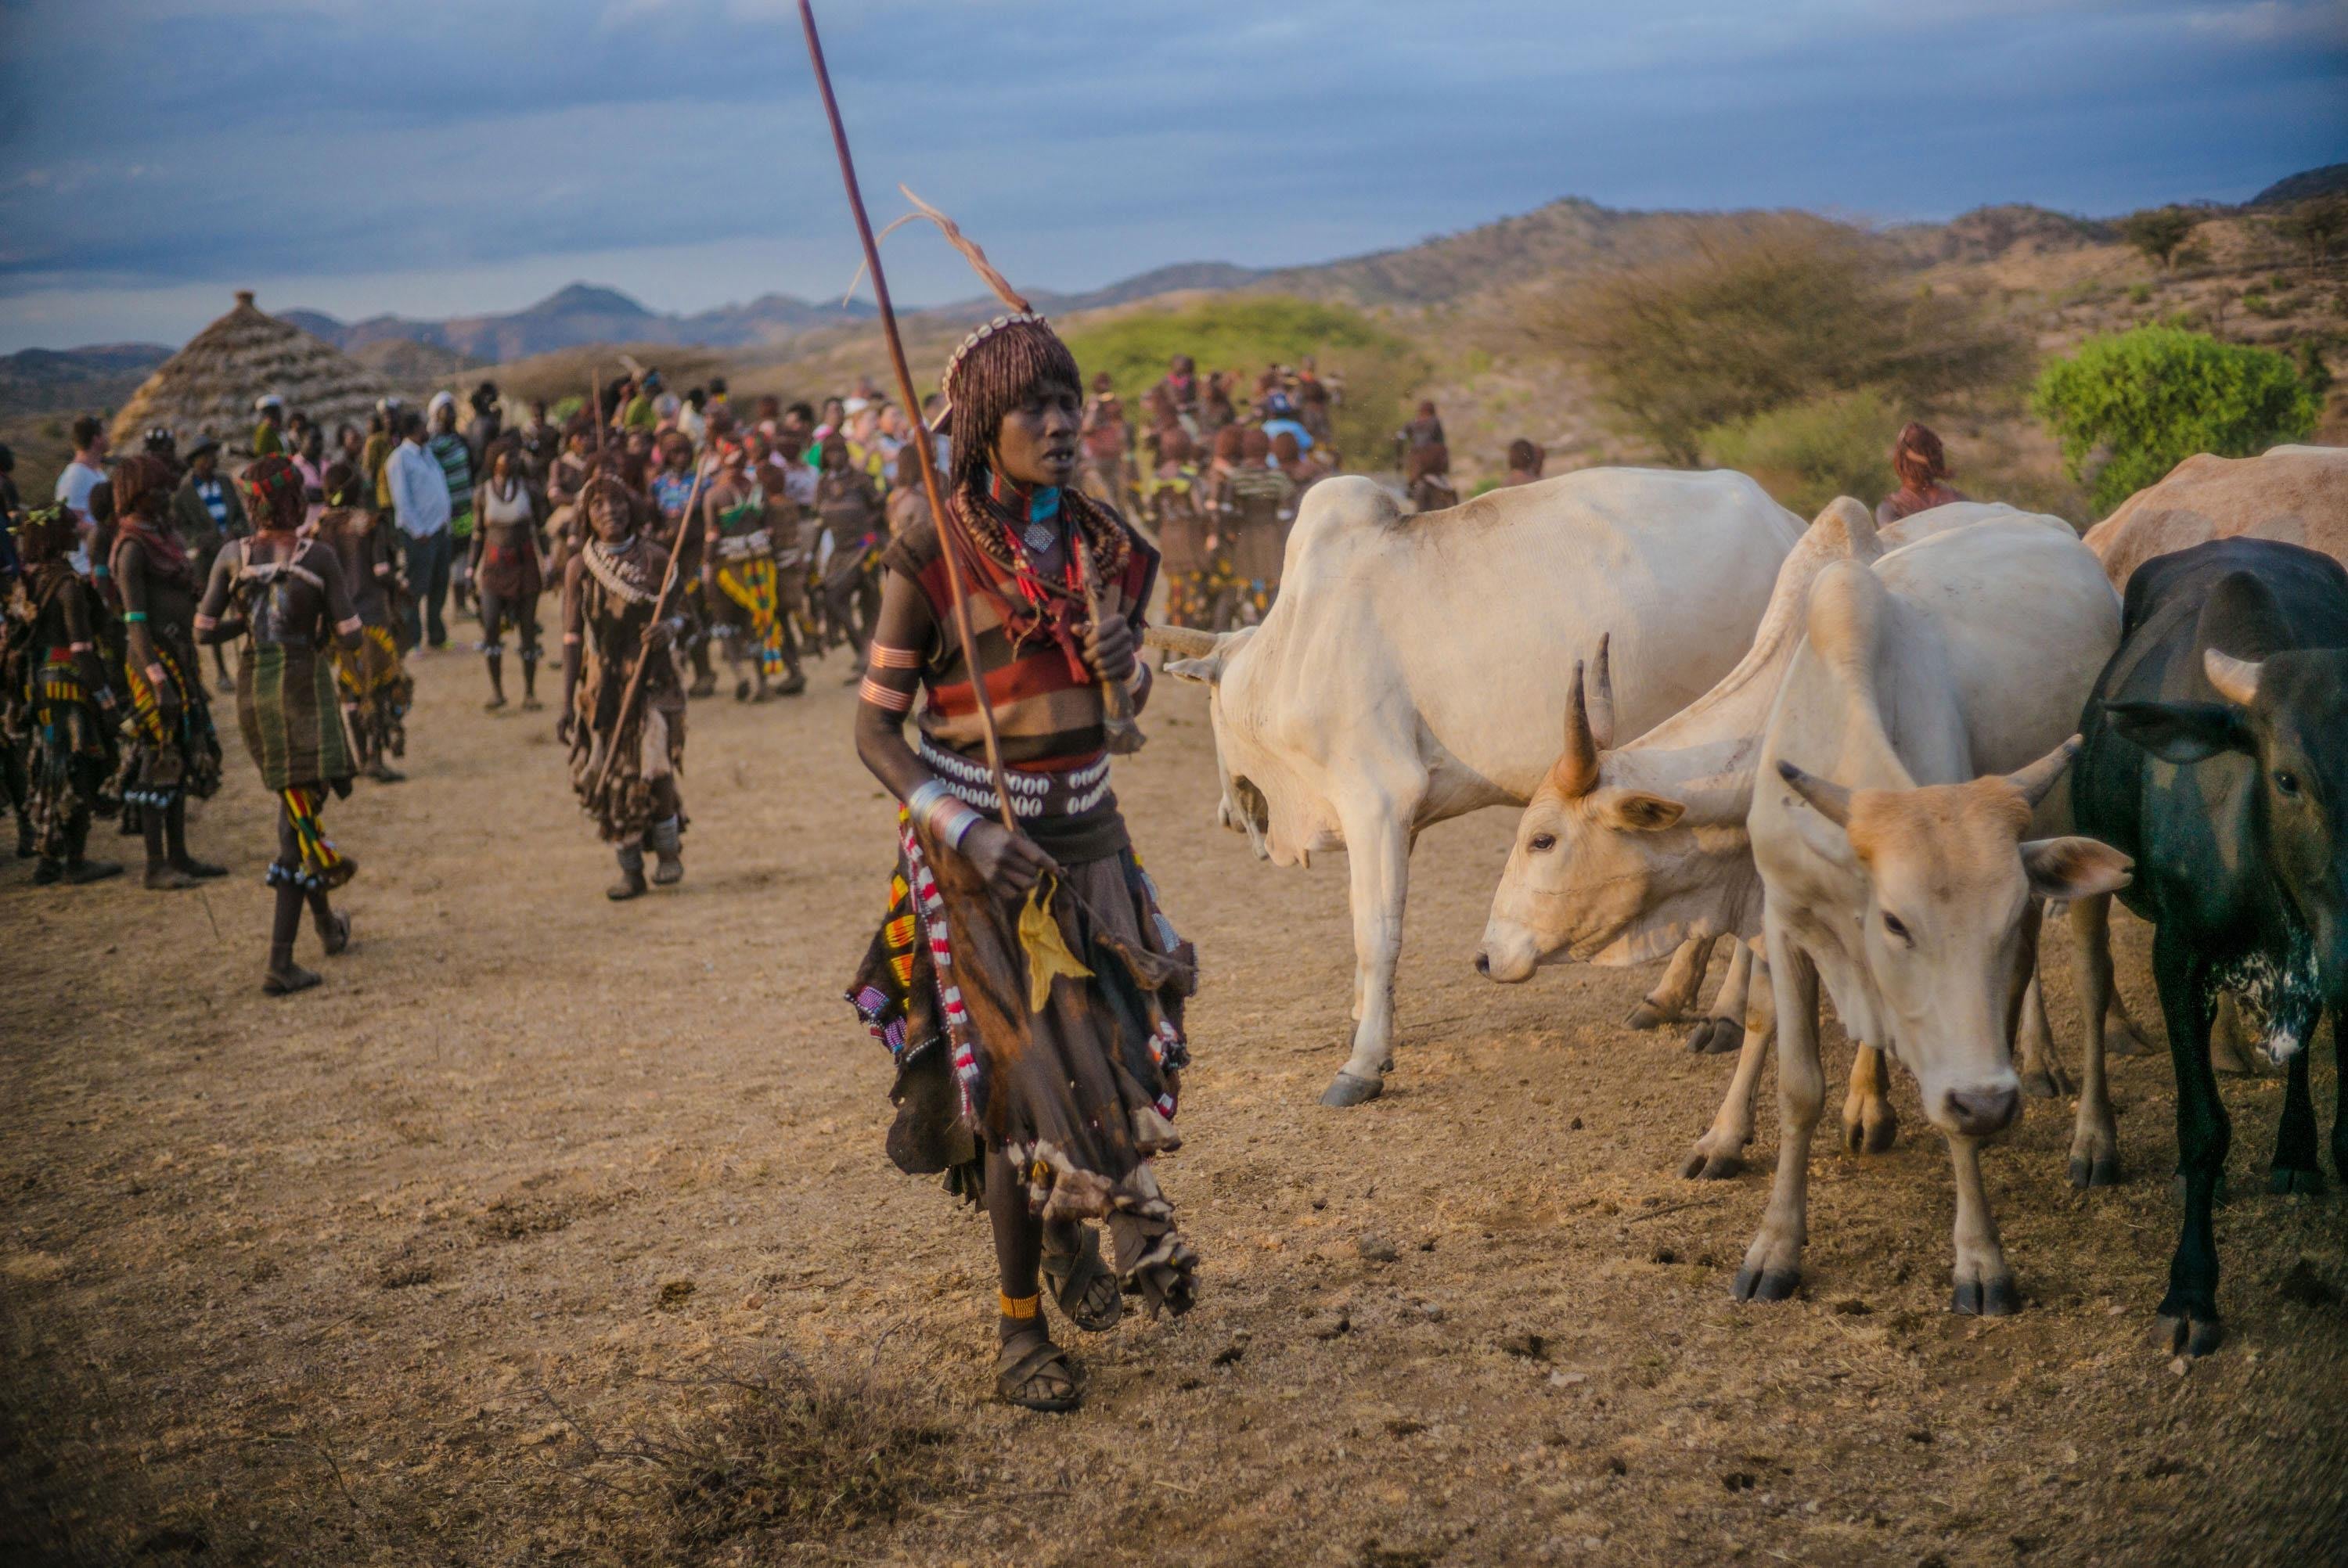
<point x="457" y="467"/>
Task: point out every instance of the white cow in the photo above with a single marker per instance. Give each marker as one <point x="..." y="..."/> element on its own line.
<point x="1893" y="872"/>
<point x="1626" y="852"/>
<point x="1412" y="670"/>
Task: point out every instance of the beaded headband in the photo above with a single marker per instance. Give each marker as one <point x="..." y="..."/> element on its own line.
<point x="987" y="329"/>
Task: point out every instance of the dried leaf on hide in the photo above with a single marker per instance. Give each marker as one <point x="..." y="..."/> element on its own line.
<point x="1047" y="950"/>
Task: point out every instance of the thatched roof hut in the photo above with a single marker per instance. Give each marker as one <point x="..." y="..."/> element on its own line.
<point x="211" y="384"/>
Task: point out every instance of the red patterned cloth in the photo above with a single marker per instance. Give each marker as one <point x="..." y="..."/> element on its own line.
<point x="274" y="492"/>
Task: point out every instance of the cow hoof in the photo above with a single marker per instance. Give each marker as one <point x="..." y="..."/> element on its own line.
<point x="1699" y="1166"/>
<point x="2101" y="1172"/>
<point x="1646" y="1015"/>
<point x="1986" y="1297"/>
<point x="1347" y="1089"/>
<point x="1727" y="1037"/>
<point x="1770" y="1284"/>
<point x="2310" y="1183"/>
<point x="1869" y="1137"/>
<point x="2187" y="1331"/>
<point x="2120" y="1040"/>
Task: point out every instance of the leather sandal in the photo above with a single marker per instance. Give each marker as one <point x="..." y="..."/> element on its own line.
<point x="1082" y="1284"/>
<point x="1034" y="1374"/>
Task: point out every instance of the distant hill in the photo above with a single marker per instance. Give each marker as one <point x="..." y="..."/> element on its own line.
<point x="1567" y="236"/>
<point x="415" y="368"/>
<point x="80" y="380"/>
<point x="1990" y="233"/>
<point x="2328" y="181"/>
<point x="580" y="315"/>
<point x="1180" y="278"/>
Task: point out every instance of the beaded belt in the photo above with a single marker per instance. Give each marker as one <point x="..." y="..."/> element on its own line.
<point x="1070" y="793"/>
<point x="741" y="547"/>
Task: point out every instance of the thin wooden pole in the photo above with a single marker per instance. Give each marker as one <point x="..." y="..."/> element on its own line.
<point x="660" y="602"/>
<point x="944" y="519"/>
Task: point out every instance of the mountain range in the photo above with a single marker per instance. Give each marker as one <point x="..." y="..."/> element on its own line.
<point x="1563" y="239"/>
<point x="580" y="315"/>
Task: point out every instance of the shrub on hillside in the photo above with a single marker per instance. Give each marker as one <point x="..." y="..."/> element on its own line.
<point x="2159" y="232"/>
<point x="1792" y="310"/>
<point x="1807" y="453"/>
<point x="1244" y="333"/>
<point x="2149" y="398"/>
<point x="2316" y="226"/>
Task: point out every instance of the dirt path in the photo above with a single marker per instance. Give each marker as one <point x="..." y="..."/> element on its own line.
<point x="307" y="1280"/>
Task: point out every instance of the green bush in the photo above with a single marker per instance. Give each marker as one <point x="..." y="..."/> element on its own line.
<point x="1808" y="452"/>
<point x="2149" y="398"/>
<point x="2258" y="304"/>
<point x="2159" y="232"/>
<point x="1242" y="333"/>
<point x="1791" y="310"/>
<point x="2139" y="294"/>
<point x="2312" y="370"/>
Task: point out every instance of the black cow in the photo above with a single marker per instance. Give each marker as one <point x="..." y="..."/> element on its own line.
<point x="2217" y="755"/>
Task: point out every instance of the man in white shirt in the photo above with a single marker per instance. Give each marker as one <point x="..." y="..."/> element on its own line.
<point x="88" y="469"/>
<point x="420" y="506"/>
<point x="83" y="475"/>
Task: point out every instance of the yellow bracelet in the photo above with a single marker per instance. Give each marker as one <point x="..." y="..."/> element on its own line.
<point x="1023" y="1309"/>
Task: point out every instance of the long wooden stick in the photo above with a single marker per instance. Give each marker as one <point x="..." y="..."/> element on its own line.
<point x="944" y="518"/>
<point x="660" y="601"/>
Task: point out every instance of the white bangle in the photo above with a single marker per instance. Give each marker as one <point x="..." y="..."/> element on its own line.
<point x="959" y="820"/>
<point x="935" y="807"/>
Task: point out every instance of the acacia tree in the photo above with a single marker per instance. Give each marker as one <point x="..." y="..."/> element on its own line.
<point x="2146" y="399"/>
<point x="2159" y="232"/>
<point x="2317" y="225"/>
<point x="1787" y="310"/>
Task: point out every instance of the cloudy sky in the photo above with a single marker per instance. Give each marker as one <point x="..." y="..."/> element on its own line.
<point x="452" y="157"/>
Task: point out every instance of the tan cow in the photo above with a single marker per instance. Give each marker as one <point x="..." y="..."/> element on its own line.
<point x="1894" y="874"/>
<point x="2298" y="494"/>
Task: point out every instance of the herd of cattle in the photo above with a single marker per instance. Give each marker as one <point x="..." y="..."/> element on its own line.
<point x="1871" y="760"/>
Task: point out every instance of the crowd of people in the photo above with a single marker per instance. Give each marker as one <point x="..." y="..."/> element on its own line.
<point x="671" y="528"/>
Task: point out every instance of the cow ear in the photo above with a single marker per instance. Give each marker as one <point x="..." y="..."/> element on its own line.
<point x="1206" y="670"/>
<point x="2179" y="733"/>
<point x="1636" y="811"/>
<point x="2074" y="868"/>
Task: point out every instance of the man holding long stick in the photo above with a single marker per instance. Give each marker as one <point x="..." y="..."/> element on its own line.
<point x="1026" y="982"/>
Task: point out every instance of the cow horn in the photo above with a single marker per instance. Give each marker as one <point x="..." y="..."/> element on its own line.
<point x="2036" y="779"/>
<point x="1601" y="695"/>
<point x="1182" y="641"/>
<point x="1577" y="768"/>
<point x="2237" y="679"/>
<point x="1831" y="800"/>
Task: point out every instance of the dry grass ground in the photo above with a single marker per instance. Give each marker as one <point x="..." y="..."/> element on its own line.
<point x="554" y="1232"/>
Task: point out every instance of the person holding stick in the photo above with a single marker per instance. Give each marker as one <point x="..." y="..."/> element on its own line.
<point x="1026" y="981"/>
<point x="622" y="702"/>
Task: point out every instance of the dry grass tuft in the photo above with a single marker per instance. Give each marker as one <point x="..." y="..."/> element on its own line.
<point x="795" y="1454"/>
